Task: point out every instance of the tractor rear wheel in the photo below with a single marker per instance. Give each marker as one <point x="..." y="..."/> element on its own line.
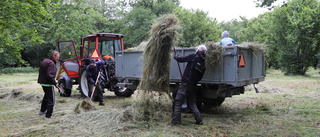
<point x="63" y="88"/>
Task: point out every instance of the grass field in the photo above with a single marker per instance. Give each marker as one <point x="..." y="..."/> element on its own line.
<point x="286" y="106"/>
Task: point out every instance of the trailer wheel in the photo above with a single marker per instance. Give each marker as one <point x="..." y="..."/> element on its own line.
<point x="83" y="84"/>
<point x="123" y="91"/>
<point x="213" y="102"/>
<point x="62" y="85"/>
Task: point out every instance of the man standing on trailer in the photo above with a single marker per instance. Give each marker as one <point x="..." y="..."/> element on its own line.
<point x="193" y="73"/>
<point x="46" y="78"/>
<point x="93" y="69"/>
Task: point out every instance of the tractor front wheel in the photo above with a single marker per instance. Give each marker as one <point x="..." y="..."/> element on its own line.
<point x="63" y="88"/>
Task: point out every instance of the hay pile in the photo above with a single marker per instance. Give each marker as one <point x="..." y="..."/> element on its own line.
<point x="149" y="107"/>
<point x="213" y="55"/>
<point x="254" y="46"/>
<point x="84" y="106"/>
<point x="157" y="54"/>
<point x="19" y="94"/>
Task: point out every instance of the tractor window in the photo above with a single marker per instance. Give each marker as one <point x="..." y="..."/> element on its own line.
<point x="66" y="50"/>
<point x="109" y="46"/>
<point x="89" y="46"/>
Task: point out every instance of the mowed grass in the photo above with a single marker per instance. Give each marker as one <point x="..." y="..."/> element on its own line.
<point x="285" y="106"/>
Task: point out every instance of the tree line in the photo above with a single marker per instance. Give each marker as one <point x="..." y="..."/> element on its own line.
<point x="31" y="28"/>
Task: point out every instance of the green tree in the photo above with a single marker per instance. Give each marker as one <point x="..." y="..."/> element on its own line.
<point x="296" y="31"/>
<point x="73" y="19"/>
<point x="18" y="20"/>
<point x="197" y="27"/>
<point x="139" y="20"/>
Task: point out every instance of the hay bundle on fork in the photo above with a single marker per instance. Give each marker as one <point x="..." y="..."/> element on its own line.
<point x="154" y="85"/>
<point x="157" y="55"/>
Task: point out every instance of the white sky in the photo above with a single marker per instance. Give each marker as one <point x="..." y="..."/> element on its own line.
<point x="225" y="10"/>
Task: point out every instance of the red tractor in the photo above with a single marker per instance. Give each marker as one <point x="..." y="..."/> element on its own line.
<point x="100" y="46"/>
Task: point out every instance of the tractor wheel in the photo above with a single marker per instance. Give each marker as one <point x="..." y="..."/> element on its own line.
<point x="83" y="84"/>
<point x="123" y="91"/>
<point x="62" y="85"/>
<point x="213" y="102"/>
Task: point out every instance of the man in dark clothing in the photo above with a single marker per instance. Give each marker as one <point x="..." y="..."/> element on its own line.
<point x="193" y="73"/>
<point x="93" y="69"/>
<point x="46" y="78"/>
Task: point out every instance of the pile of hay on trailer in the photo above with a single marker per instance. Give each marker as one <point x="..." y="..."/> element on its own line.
<point x="213" y="55"/>
<point x="254" y="46"/>
<point x="140" y="47"/>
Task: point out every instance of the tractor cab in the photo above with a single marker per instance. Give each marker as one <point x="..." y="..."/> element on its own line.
<point x="101" y="46"/>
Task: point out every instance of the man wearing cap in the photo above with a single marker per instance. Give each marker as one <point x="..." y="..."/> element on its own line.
<point x="93" y="69"/>
<point x="226" y="40"/>
<point x="193" y="73"/>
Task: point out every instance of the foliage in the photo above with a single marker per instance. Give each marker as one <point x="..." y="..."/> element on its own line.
<point x="19" y="18"/>
<point x="290" y="31"/>
<point x="197" y="27"/>
<point x="18" y="70"/>
<point x="30" y="29"/>
<point x="140" y="18"/>
<point x="296" y="31"/>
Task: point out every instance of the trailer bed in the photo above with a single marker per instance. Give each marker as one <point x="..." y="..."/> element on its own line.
<point x="228" y="72"/>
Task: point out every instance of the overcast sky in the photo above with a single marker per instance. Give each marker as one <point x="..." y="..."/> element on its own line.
<point x="225" y="10"/>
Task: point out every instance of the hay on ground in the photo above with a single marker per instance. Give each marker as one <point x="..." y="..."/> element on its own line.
<point x="150" y="106"/>
<point x="84" y="106"/>
<point x="19" y="94"/>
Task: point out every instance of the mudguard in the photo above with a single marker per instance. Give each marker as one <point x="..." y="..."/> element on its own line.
<point x="68" y="81"/>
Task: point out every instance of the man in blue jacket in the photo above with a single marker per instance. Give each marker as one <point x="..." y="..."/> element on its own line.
<point x="193" y="73"/>
<point x="93" y="69"/>
<point x="226" y="40"/>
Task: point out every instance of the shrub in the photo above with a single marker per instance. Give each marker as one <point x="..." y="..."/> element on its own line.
<point x="18" y="70"/>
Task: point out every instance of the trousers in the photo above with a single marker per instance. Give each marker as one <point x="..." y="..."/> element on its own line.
<point x="185" y="92"/>
<point x="98" y="93"/>
<point x="48" y="101"/>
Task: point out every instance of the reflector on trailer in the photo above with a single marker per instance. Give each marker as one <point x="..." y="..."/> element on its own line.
<point x="242" y="62"/>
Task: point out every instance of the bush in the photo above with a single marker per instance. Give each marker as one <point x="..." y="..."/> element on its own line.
<point x="18" y="70"/>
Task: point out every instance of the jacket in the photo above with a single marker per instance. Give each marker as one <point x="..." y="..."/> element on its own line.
<point x="195" y="68"/>
<point x="92" y="73"/>
<point x="226" y="41"/>
<point x="47" y="72"/>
